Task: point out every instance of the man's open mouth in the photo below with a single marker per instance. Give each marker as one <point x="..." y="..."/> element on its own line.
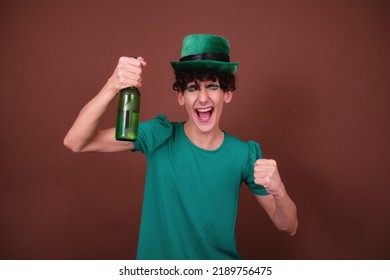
<point x="204" y="114"/>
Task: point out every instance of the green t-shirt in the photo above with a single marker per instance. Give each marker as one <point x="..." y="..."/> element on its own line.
<point x="191" y="194"/>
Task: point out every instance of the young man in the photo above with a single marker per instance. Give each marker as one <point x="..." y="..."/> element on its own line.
<point x="195" y="169"/>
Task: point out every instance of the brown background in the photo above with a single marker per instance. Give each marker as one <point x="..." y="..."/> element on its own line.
<point x="313" y="89"/>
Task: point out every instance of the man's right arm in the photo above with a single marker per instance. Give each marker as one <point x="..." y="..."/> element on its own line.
<point x="84" y="135"/>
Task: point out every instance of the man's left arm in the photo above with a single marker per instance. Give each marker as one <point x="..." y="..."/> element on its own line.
<point x="277" y="204"/>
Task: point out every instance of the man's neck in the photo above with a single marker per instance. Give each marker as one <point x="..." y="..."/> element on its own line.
<point x="211" y="140"/>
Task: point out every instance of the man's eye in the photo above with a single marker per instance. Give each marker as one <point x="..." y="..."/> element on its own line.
<point x="191" y="88"/>
<point x="213" y="87"/>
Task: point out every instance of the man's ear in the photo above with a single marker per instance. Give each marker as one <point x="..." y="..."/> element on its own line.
<point x="180" y="98"/>
<point x="228" y="95"/>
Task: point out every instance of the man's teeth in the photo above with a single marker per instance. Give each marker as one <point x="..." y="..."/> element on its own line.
<point x="204" y="110"/>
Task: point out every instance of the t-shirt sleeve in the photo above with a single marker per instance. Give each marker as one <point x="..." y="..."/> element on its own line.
<point x="152" y="134"/>
<point x="254" y="154"/>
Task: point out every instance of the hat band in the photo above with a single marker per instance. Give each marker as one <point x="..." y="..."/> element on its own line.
<point x="207" y="56"/>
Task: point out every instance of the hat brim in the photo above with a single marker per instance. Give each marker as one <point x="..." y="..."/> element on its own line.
<point x="219" y="66"/>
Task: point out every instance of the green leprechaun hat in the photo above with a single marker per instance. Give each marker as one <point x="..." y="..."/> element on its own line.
<point x="205" y="52"/>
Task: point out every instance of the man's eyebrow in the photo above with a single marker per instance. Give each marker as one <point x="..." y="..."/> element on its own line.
<point x="191" y="84"/>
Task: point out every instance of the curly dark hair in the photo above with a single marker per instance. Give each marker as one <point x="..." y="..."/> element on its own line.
<point x="227" y="81"/>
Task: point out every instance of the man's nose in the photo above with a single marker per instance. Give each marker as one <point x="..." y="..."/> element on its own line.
<point x="203" y="95"/>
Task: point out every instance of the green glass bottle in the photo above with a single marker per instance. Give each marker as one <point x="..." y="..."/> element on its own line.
<point x="128" y="114"/>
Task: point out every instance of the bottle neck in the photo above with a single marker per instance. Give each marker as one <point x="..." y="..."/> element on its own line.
<point x="133" y="90"/>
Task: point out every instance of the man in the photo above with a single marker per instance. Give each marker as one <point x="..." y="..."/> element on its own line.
<point x="195" y="169"/>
